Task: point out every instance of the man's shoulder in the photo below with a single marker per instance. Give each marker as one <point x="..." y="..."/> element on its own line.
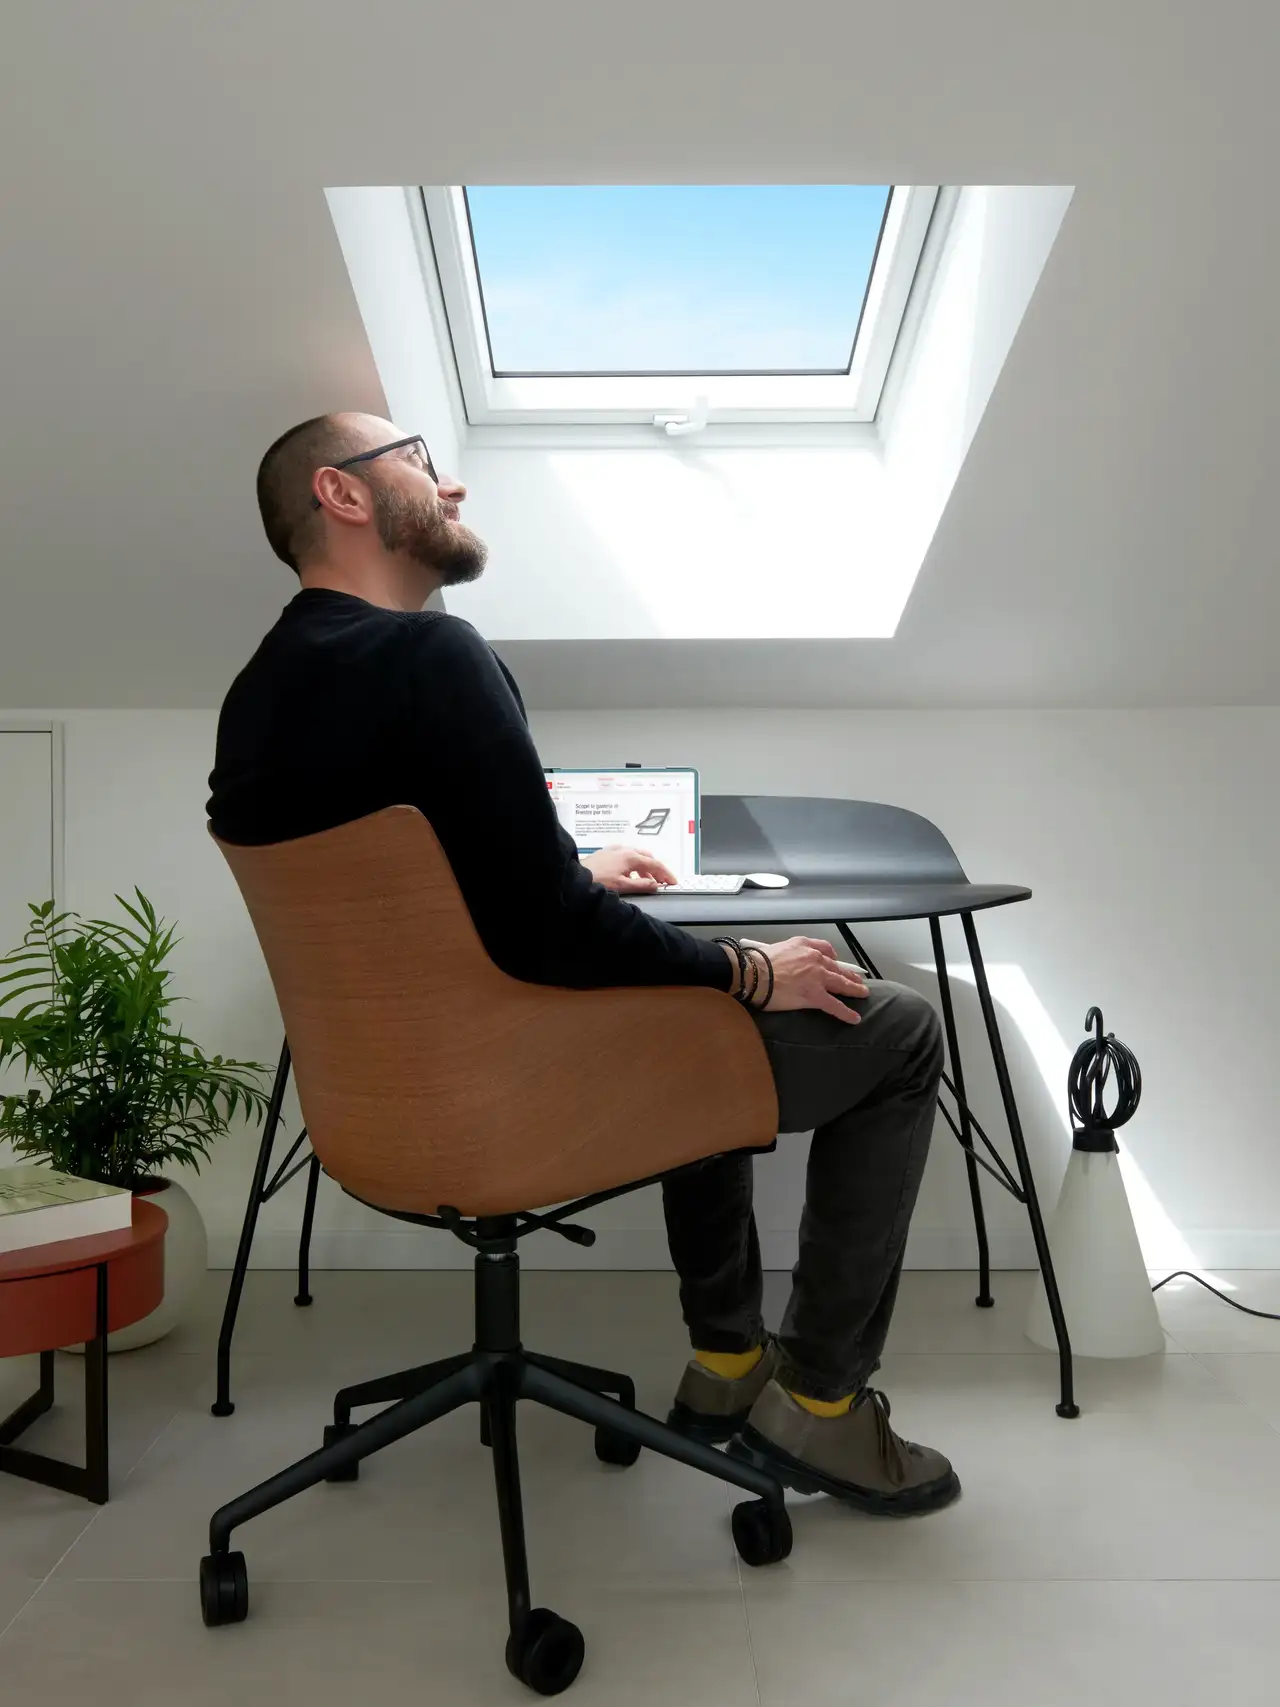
<point x="444" y="636"/>
<point x="444" y="628"/>
<point x="451" y="648"/>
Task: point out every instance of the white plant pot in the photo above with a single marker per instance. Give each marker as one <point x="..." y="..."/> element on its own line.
<point x="186" y="1260"/>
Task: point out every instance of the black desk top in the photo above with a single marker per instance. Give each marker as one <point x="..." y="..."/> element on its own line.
<point x="831" y="902"/>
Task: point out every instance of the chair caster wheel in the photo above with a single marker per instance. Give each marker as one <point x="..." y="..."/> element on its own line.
<point x="547" y="1655"/>
<point x="614" y="1448"/>
<point x="224" y="1589"/>
<point x="332" y="1435"/>
<point x="762" y="1536"/>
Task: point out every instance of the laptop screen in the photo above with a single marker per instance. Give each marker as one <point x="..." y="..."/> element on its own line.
<point x="656" y="810"/>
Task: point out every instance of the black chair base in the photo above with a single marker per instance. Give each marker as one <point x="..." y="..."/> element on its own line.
<point x="543" y="1650"/>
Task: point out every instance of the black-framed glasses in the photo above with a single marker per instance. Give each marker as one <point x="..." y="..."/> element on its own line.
<point x="415" y="449"/>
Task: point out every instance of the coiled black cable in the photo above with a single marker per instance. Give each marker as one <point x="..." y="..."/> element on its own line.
<point x="1091" y="1067"/>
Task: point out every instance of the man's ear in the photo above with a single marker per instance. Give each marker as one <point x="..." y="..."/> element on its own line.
<point x="344" y="497"/>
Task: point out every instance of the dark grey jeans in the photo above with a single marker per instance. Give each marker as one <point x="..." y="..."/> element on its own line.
<point x="868" y="1092"/>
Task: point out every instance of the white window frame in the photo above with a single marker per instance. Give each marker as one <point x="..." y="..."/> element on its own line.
<point x="621" y="400"/>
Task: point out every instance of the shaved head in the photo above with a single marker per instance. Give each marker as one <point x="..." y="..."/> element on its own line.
<point x="386" y="529"/>
<point x="293" y="528"/>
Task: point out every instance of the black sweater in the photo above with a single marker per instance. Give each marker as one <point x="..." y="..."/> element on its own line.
<point x="346" y="708"/>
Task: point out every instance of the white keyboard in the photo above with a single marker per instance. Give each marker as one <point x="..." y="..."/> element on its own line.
<point x="710" y="883"/>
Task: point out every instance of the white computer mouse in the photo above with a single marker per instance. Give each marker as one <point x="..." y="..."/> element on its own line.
<point x="767" y="879"/>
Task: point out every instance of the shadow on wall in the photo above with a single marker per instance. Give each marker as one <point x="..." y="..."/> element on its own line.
<point x="1042" y="1122"/>
<point x="1042" y="1119"/>
<point x="1039" y="1059"/>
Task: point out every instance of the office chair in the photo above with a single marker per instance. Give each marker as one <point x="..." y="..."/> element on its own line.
<point x="443" y="1092"/>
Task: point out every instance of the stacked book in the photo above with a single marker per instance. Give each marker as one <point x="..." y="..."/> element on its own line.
<point x="40" y="1207"/>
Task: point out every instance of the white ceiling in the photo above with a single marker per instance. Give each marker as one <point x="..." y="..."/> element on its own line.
<point x="172" y="296"/>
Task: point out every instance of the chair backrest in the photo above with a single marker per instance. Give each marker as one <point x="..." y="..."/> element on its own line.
<point x="428" y="1077"/>
<point x="817" y="840"/>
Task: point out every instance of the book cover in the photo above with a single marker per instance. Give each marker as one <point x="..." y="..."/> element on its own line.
<point x="39" y="1206"/>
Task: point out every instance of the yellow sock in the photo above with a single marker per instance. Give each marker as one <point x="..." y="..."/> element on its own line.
<point x="824" y="1407"/>
<point x="733" y="1365"/>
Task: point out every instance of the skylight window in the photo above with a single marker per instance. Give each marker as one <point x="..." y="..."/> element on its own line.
<point x="680" y="279"/>
<point x="675" y="305"/>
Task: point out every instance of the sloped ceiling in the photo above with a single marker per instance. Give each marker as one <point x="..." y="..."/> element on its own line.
<point x="172" y="296"/>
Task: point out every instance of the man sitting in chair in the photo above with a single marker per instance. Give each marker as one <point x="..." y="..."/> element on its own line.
<point x="357" y="699"/>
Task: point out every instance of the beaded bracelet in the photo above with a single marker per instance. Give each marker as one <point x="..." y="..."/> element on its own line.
<point x="768" y="962"/>
<point x="749" y="957"/>
<point x="748" y="997"/>
<point x="740" y="953"/>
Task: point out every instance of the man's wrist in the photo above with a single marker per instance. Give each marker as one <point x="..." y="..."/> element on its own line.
<point x="751" y="977"/>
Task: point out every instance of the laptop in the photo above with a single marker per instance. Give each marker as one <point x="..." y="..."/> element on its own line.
<point x="639" y="806"/>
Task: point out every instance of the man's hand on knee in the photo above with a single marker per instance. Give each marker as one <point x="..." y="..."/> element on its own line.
<point x="807" y="973"/>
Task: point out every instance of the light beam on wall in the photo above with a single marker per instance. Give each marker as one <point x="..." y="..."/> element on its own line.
<point x="1163" y="1244"/>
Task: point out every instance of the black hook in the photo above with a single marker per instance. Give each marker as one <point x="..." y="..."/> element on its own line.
<point x="1088" y="1082"/>
<point x="1100" y="1067"/>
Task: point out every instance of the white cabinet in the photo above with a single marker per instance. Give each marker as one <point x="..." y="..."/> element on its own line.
<point x="28" y="853"/>
<point x="30" y="826"/>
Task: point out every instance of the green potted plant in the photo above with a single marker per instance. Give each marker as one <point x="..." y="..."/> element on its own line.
<point x="122" y="1094"/>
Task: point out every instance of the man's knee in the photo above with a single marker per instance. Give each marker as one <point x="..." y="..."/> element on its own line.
<point x="919" y="1027"/>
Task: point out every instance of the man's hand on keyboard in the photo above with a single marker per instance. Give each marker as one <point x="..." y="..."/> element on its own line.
<point x="627" y="871"/>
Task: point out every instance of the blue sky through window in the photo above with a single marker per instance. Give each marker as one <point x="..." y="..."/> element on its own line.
<point x="674" y="278"/>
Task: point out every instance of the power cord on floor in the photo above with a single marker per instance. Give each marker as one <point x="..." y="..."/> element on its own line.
<point x="1186" y="1274"/>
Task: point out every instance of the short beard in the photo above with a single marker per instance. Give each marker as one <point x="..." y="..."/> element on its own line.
<point x="416" y="527"/>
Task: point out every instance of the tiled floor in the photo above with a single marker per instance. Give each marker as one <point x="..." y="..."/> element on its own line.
<point x="1132" y="1555"/>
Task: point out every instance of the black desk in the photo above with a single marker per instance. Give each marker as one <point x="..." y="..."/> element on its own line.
<point x="850" y="862"/>
<point x="828" y="902"/>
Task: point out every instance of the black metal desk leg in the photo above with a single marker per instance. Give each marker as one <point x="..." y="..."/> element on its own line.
<point x="984" y="1299"/>
<point x="97" y="1472"/>
<point x="856" y="950"/>
<point x="303" y="1295"/>
<point x="1067" y="1407"/>
<point x="222" y="1406"/>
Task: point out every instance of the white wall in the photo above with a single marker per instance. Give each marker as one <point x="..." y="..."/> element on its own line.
<point x="1148" y="838"/>
<point x="1124" y="465"/>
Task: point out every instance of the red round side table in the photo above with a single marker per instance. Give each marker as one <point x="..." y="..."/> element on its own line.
<point x="78" y="1290"/>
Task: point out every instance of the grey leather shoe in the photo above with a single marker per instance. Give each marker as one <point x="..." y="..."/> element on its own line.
<point x="712" y="1407"/>
<point x="856" y="1457"/>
